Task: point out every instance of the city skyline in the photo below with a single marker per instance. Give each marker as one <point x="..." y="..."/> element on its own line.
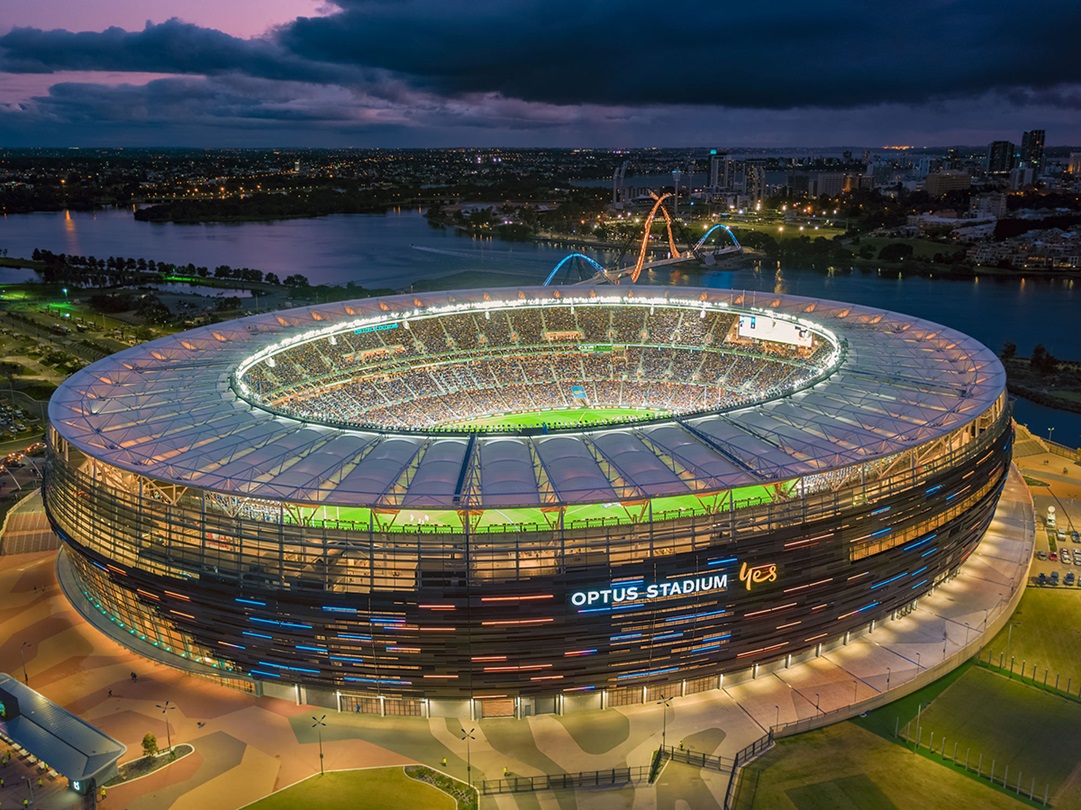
<point x="420" y="73"/>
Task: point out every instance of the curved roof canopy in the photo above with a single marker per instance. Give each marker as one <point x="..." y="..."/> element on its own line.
<point x="167" y="410"/>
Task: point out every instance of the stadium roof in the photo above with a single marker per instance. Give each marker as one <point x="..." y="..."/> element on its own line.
<point x="166" y="410"/>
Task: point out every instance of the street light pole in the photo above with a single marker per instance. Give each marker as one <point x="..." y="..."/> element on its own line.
<point x="1009" y="635"/>
<point x="467" y="736"/>
<point x="167" y="707"/>
<point x="22" y="654"/>
<point x="319" y="725"/>
<point x="778" y="721"/>
<point x="664" y="702"/>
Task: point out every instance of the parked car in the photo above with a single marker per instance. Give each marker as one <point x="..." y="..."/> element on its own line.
<point x="1069" y="578"/>
<point x="1042" y="580"/>
<point x="1075" y="536"/>
<point x="1041" y="555"/>
<point x="1054" y="578"/>
<point x="1053" y="557"/>
<point x="1064" y="555"/>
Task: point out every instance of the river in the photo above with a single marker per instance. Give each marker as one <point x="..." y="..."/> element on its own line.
<point x="400" y="249"/>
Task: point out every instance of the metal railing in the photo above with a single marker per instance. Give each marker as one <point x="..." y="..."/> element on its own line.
<point x="755" y="749"/>
<point x="608" y="777"/>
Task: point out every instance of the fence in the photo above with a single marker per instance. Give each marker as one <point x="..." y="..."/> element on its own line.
<point x="938" y="750"/>
<point x="699" y="759"/>
<point x="758" y="747"/>
<point x="1062" y="450"/>
<point x="1010" y="668"/>
<point x="553" y="781"/>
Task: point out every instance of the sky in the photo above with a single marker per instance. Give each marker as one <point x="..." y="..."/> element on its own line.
<point x="597" y="73"/>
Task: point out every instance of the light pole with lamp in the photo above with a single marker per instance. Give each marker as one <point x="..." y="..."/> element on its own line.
<point x="167" y="707"/>
<point x="319" y="725"/>
<point x="22" y="655"/>
<point x="1009" y="635"/>
<point x="467" y="736"/>
<point x="887" y="679"/>
<point x="818" y="700"/>
<point x="664" y="703"/>
<point x="778" y="720"/>
<point x="1050" y="430"/>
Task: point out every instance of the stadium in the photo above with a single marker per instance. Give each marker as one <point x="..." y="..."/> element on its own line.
<point x="522" y="497"/>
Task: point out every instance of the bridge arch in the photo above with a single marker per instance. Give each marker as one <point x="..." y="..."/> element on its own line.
<point x="702" y="241"/>
<point x="551" y="276"/>
<point x="658" y="204"/>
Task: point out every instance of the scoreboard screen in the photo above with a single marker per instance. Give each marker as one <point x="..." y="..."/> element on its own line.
<point x="761" y="327"/>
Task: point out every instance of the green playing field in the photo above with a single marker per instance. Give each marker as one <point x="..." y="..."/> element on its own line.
<point x="569" y="417"/>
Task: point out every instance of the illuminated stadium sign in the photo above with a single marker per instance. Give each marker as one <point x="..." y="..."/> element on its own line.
<point x="631" y="592"/>
<point x="379" y="327"/>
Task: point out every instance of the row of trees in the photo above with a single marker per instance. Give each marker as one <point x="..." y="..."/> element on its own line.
<point x="119" y="271"/>
<point x="1041" y="361"/>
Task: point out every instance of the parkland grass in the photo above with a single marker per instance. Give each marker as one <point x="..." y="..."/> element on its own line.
<point x="370" y="789"/>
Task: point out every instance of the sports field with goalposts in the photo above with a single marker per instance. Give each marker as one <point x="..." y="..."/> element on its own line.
<point x="563" y="418"/>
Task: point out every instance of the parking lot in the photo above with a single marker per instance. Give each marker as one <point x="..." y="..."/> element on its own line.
<point x="1055" y="483"/>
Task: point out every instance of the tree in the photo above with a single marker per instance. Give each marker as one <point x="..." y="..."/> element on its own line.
<point x="1009" y="350"/>
<point x="150" y="745"/>
<point x="895" y="252"/>
<point x="1042" y="360"/>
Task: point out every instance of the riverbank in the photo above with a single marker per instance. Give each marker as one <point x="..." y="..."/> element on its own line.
<point x="1059" y="389"/>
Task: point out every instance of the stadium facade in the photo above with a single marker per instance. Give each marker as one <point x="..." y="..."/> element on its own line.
<point x="326" y="496"/>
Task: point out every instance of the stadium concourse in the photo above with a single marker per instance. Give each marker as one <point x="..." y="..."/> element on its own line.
<point x="247" y="747"/>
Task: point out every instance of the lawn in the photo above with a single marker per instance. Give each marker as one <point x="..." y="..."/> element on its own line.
<point x="845" y="767"/>
<point x="1046" y="632"/>
<point x="922" y="248"/>
<point x="370" y="789"/>
<point x="1019" y="727"/>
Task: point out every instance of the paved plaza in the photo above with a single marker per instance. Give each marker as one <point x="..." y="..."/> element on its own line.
<point x="247" y="747"/>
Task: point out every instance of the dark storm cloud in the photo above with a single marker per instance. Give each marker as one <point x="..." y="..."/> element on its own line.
<point x="169" y="47"/>
<point x="778" y="55"/>
<point x="756" y="55"/>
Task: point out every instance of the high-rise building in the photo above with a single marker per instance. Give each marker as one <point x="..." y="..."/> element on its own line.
<point x="1074" y="165"/>
<point x="1000" y="157"/>
<point x="720" y="170"/>
<point x="941" y="183"/>
<point x="1032" y="150"/>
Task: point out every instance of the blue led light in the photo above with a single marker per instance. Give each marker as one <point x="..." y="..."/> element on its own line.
<point x="250" y="601"/>
<point x="725" y="561"/>
<point x="255" y="635"/>
<point x="888" y="581"/>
